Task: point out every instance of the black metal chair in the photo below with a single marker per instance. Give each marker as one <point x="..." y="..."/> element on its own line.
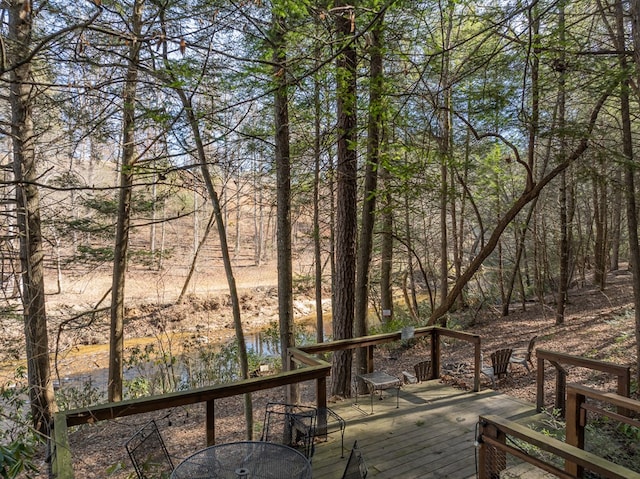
<point x="149" y="454"/>
<point x="329" y="421"/>
<point x="292" y="425"/>
<point x="499" y="365"/>
<point x="356" y="466"/>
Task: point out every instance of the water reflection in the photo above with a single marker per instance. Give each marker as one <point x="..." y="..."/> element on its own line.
<point x="155" y="372"/>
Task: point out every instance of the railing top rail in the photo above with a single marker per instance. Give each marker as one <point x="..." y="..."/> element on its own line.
<point x="570" y="453"/>
<point x="183" y="398"/>
<point x="373" y="340"/>
<point x="608" y="397"/>
<point x="596" y="364"/>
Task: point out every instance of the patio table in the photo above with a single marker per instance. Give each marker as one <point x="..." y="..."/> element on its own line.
<point x="379" y="381"/>
<point x="245" y="460"/>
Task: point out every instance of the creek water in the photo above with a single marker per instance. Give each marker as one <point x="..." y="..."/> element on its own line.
<point x="86" y="368"/>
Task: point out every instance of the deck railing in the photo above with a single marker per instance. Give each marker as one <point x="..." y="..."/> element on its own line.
<point x="500" y="440"/>
<point x="580" y="400"/>
<point x="306" y="365"/>
<point x="622" y="373"/>
<point x="504" y="450"/>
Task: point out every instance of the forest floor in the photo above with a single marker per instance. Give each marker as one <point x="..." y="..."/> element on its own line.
<point x="598" y="324"/>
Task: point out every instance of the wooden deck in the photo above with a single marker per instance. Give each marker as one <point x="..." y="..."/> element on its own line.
<point x="430" y="435"/>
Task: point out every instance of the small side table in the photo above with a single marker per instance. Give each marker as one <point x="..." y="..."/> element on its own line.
<point x="379" y="381"/>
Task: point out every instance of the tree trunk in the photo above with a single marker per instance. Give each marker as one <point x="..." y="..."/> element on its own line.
<point x="196" y="256"/>
<point x="365" y="245"/>
<point x="347" y="187"/>
<point x="116" y="339"/>
<point x="600" y="210"/>
<point x="629" y="175"/>
<point x="41" y="394"/>
<point x="193" y="121"/>
<point x="530" y="193"/>
<point x="386" y="249"/>
<point x="616" y="220"/>
<point x="317" y="240"/>
<point x="409" y="276"/>
<point x="445" y="152"/>
<point x="563" y="282"/>
<point x="283" y="173"/>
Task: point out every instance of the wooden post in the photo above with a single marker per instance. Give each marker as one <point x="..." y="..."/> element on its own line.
<point x="476" y="367"/>
<point x="211" y="422"/>
<point x="540" y="385"/>
<point x="435" y="353"/>
<point x="624" y="389"/>
<point x="370" y="359"/>
<point x="321" y="395"/>
<point x="321" y="423"/>
<point x="575" y="418"/>
<point x="59" y="449"/>
<point x="491" y="461"/>
<point x="561" y="387"/>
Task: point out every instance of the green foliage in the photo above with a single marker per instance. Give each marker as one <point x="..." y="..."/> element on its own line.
<point x="67" y="179"/>
<point x="95" y="255"/>
<point x="75" y="397"/>
<point x="103" y="205"/>
<point x="89" y="225"/>
<point x="17" y="458"/>
<point x="606" y="438"/>
<point x="19" y="441"/>
<point x="151" y="368"/>
<point x="290" y="8"/>
<point x="400" y="319"/>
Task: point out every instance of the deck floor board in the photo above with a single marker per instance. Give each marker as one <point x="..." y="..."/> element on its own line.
<point x="430" y="435"/>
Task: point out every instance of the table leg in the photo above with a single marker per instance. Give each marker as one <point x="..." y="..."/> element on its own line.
<point x="371" y="394"/>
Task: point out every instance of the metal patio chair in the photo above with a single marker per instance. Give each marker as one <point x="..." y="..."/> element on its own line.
<point x="149" y="454"/>
<point x="292" y="425"/>
<point x="356" y="467"/>
<point x="329" y="421"/>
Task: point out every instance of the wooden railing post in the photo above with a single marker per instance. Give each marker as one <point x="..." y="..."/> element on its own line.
<point x="59" y="449"/>
<point x="435" y="352"/>
<point x="575" y="418"/>
<point x="624" y="389"/>
<point x="561" y="387"/>
<point x="540" y="384"/>
<point x="321" y="407"/>
<point x="477" y="366"/>
<point x="210" y="407"/>
<point x="491" y="461"/>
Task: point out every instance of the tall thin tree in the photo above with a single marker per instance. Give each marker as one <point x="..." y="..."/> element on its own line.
<point x="28" y="207"/>
<point x="365" y="244"/>
<point x="116" y="338"/>
<point x="347" y="187"/>
<point x="283" y="174"/>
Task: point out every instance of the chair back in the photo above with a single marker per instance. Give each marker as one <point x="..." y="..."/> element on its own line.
<point x="356" y="467"/>
<point x="423" y="370"/>
<point x="292" y="425"/>
<point x="500" y="361"/>
<point x="149" y="454"/>
<point x="532" y="345"/>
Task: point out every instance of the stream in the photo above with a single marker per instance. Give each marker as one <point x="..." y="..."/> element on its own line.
<point x="84" y="371"/>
